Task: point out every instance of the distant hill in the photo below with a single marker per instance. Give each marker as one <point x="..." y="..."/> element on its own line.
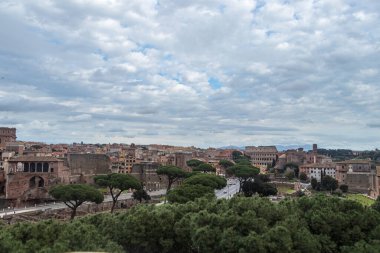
<point x="279" y="147"/>
<point x="232" y="147"/>
<point x="305" y="147"/>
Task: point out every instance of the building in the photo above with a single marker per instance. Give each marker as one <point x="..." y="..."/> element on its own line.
<point x="146" y="172"/>
<point x="29" y="178"/>
<point x="262" y="156"/>
<point x="375" y="190"/>
<point x="357" y="174"/>
<point x="7" y="135"/>
<point x="181" y="158"/>
<point x="318" y="170"/>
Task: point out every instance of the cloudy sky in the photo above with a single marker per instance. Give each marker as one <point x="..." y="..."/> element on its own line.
<point x="204" y="73"/>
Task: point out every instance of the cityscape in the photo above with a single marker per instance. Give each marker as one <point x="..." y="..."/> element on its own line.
<point x="161" y="126"/>
<point x="32" y="171"/>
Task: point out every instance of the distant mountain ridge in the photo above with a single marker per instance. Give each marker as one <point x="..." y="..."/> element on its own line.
<point x="306" y="147"/>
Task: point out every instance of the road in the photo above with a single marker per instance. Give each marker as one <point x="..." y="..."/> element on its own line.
<point x="229" y="191"/>
<point x="61" y="205"/>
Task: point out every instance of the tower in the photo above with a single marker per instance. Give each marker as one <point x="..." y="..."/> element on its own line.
<point x="7" y="135"/>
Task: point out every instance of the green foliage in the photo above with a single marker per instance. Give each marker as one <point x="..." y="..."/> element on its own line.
<point x="236" y="155"/>
<point x="244" y="173"/>
<point x="193" y="163"/>
<point x="116" y="184"/>
<point x="212" y="181"/>
<point x="314" y="183"/>
<point x="74" y="195"/>
<point x="303" y="176"/>
<point x="172" y="174"/>
<point x="293" y="167"/>
<point x="376" y="205"/>
<point x="189" y="192"/>
<point x="290" y="175"/>
<point x="328" y="183"/>
<point x="141" y="195"/>
<point x="258" y="184"/>
<point x="343" y="188"/>
<point x="121" y="182"/>
<point x="205" y="167"/>
<point x="226" y="163"/>
<point x="304" y="225"/>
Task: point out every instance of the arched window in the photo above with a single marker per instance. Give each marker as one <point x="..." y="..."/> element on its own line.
<point x="46" y="167"/>
<point x="32" y="167"/>
<point x="36" y="182"/>
<point x="39" y="167"/>
<point x="26" y="167"/>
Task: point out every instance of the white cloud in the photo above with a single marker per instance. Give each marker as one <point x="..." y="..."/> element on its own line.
<point x="290" y="71"/>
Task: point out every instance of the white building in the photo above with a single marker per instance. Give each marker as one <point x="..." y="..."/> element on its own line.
<point x="316" y="170"/>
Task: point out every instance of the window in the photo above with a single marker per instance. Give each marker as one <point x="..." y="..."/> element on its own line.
<point x="26" y="167"/>
<point x="32" y="167"/>
<point x="45" y="167"/>
<point x="39" y="167"/>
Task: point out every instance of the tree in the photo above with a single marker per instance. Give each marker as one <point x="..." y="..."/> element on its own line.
<point x="303" y="176"/>
<point x="376" y="205"/>
<point x="205" y="167"/>
<point x="328" y="183"/>
<point x="267" y="190"/>
<point x="258" y="185"/>
<point x="226" y="163"/>
<point x="314" y="183"/>
<point x="193" y="163"/>
<point x="289" y="175"/>
<point x="74" y="195"/>
<point x="140" y="195"/>
<point x="244" y="173"/>
<point x="116" y="184"/>
<point x="172" y="174"/>
<point x="209" y="180"/>
<point x="236" y="155"/>
<point x="294" y="167"/>
<point x="343" y="188"/>
<point x="188" y="192"/>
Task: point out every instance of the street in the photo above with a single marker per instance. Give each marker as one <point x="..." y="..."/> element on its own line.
<point x="229" y="191"/>
<point x="61" y="205"/>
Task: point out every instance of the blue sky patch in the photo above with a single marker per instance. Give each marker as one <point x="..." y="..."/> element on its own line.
<point x="215" y="84"/>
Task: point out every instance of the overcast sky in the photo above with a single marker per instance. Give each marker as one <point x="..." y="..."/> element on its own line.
<point x="203" y="73"/>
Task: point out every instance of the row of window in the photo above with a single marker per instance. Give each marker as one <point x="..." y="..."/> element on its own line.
<point x="37" y="167"/>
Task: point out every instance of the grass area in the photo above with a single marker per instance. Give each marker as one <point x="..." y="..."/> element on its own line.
<point x="365" y="201"/>
<point x="285" y="190"/>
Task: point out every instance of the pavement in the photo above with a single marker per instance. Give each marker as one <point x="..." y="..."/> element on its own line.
<point x="61" y="205"/>
<point x="229" y="191"/>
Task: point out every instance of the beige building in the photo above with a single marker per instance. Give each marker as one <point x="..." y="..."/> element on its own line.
<point x="357" y="174"/>
<point x="262" y="156"/>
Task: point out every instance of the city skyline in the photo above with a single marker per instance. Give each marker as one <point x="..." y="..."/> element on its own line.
<point x="213" y="73"/>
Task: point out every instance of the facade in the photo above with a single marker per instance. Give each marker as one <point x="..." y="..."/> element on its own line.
<point x="29" y="178"/>
<point x="262" y="156"/>
<point x="181" y="158"/>
<point x="7" y="135"/>
<point x="357" y="174"/>
<point x="375" y="191"/>
<point x="316" y="170"/>
<point x="146" y="173"/>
